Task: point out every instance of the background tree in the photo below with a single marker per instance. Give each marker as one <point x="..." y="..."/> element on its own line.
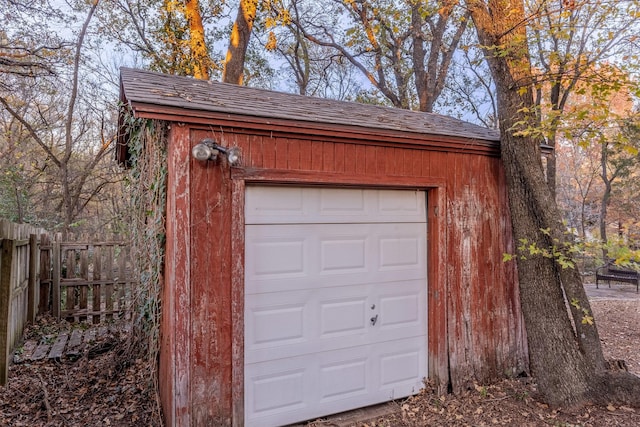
<point x="313" y="70"/>
<point x="578" y="185"/>
<point x="173" y="37"/>
<point x="469" y="88"/>
<point x="403" y="49"/>
<point x="568" y="40"/>
<point x="598" y="120"/>
<point x="239" y="41"/>
<point x="66" y="135"/>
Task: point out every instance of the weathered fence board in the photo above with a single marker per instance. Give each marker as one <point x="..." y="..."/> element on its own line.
<point x="44" y="305"/>
<point x="18" y="286"/>
<point x="93" y="280"/>
<point x="32" y="301"/>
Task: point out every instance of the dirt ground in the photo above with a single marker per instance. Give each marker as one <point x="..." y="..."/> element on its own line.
<point x="106" y="388"/>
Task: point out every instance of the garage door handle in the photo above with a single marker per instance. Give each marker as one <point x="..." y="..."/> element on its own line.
<point x="374" y="319"/>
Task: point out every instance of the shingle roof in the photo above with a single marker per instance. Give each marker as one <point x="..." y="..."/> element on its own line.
<point x="150" y="88"/>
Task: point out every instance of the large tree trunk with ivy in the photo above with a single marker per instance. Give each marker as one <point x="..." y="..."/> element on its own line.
<point x="565" y="352"/>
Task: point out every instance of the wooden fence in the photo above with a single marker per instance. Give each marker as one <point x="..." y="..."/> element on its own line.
<point x="79" y="281"/>
<point x="18" y="285"/>
<point x="92" y="280"/>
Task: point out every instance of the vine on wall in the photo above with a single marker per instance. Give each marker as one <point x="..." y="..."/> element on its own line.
<point x="146" y="182"/>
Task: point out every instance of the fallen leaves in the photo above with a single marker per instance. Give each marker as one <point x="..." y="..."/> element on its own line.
<point x="104" y="390"/>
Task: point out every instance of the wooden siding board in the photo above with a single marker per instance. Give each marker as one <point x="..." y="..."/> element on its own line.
<point x="383" y="156"/>
<point x="174" y="349"/>
<point x="414" y="158"/>
<point x="426" y="162"/>
<point x="255" y="151"/>
<point x="281" y="153"/>
<point x="237" y="301"/>
<point x="339" y="159"/>
<point x="350" y="160"/>
<point x="437" y="320"/>
<point x="328" y="157"/>
<point x="268" y="152"/>
<point x="370" y="160"/>
<point x="400" y="164"/>
<point x="387" y="160"/>
<point x="305" y="155"/>
<point x="518" y="347"/>
<point x="361" y="159"/>
<point x="294" y="154"/>
<point x="438" y="165"/>
<point x="210" y="253"/>
<point x="316" y="155"/>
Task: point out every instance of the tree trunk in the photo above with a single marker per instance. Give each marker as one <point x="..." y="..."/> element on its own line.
<point x="565" y="352"/>
<point x="552" y="167"/>
<point x="240" y="34"/>
<point x="431" y="72"/>
<point x="197" y="43"/>
<point x="604" y="202"/>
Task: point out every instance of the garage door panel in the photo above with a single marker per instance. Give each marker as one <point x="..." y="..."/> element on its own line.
<point x="400" y="369"/>
<point x="274" y="202"/>
<point x="279" y="258"/>
<point x="293" y="257"/>
<point x="400" y="310"/>
<point x="343" y="255"/>
<point x="277" y="392"/>
<point x="284" y="205"/>
<point x="280" y="325"/>
<point x="337" y="202"/>
<point x="343" y="379"/>
<point x="333" y="381"/>
<point x="397" y="253"/>
<point x="404" y="205"/>
<point x="342" y="317"/>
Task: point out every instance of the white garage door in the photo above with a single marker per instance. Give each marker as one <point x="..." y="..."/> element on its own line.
<point x="335" y="300"/>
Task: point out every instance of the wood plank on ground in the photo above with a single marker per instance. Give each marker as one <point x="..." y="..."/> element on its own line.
<point x="26" y="351"/>
<point x="89" y="335"/>
<point x="102" y="331"/>
<point x="73" y="347"/>
<point x="58" y="347"/>
<point x="41" y="351"/>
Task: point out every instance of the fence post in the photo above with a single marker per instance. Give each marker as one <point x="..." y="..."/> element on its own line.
<point x="6" y="276"/>
<point x="33" y="278"/>
<point x="97" y="288"/>
<point x="45" y="274"/>
<point x="55" y="304"/>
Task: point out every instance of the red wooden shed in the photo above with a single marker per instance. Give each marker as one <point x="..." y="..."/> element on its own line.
<point x="350" y="252"/>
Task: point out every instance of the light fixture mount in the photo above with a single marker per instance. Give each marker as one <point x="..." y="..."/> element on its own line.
<point x="208" y="149"/>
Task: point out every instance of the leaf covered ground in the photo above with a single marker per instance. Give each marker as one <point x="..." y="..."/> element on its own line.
<point x="102" y="387"/>
<point x="105" y="387"/>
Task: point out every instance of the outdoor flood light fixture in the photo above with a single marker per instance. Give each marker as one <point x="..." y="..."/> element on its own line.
<point x="208" y="149"/>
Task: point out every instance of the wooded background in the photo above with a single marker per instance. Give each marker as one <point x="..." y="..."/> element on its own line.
<point x="58" y="90"/>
